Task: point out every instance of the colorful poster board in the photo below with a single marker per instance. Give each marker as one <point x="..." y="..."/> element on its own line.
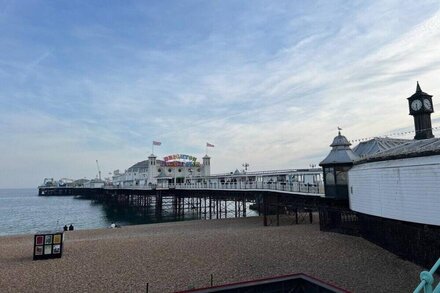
<point x="48" y="245"/>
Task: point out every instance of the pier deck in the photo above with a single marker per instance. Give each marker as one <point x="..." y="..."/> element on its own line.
<point x="210" y="202"/>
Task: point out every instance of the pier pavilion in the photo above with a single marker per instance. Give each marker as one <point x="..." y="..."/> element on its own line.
<point x="392" y="189"/>
<point x="171" y="170"/>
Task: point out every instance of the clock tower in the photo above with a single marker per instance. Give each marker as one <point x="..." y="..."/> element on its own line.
<point x="420" y="107"/>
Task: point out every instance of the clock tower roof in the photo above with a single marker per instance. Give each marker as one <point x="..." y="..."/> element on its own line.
<point x="419" y="93"/>
<point x="418" y="89"/>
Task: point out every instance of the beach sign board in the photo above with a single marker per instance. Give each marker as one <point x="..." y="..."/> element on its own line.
<point x="48" y="245"/>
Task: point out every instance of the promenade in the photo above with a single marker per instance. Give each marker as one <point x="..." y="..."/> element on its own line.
<point x="182" y="255"/>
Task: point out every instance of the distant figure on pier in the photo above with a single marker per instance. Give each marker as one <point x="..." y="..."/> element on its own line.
<point x="65" y="228"/>
<point x="71" y="227"/>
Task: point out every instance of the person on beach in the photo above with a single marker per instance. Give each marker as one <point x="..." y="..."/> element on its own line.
<point x="71" y="227"/>
<point x="65" y="228"/>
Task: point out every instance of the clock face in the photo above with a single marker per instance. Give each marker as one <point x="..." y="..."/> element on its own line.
<point x="427" y="104"/>
<point x="416" y="105"/>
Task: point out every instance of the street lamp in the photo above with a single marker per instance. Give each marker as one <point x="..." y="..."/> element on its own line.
<point x="245" y="166"/>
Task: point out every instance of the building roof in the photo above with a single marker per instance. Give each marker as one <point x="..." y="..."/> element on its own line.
<point x="138" y="165"/>
<point x="376" y="145"/>
<point x="341" y="152"/>
<point x="419" y="93"/>
<point x="413" y="148"/>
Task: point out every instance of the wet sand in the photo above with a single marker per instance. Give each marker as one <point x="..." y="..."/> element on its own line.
<point x="182" y="255"/>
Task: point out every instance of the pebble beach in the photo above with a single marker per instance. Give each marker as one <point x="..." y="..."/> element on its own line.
<point x="182" y="255"/>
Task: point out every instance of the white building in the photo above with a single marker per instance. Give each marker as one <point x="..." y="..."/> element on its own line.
<point x="172" y="169"/>
<point x="393" y="188"/>
<point x="401" y="183"/>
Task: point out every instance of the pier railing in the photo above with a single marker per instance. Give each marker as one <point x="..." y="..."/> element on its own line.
<point x="427" y="279"/>
<point x="277" y="186"/>
<point x="288" y="187"/>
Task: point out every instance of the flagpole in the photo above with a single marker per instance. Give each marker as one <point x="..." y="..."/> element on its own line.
<point x="152" y="148"/>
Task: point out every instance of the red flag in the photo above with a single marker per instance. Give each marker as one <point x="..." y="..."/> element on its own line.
<point x="209" y="145"/>
<point x="156" y="142"/>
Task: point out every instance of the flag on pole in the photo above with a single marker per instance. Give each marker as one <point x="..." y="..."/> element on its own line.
<point x="156" y="142"/>
<point x="208" y="145"/>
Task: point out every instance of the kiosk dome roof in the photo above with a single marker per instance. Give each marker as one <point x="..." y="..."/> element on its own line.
<point x="341" y="152"/>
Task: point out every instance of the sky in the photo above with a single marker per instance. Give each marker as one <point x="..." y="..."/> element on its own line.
<point x="266" y="82"/>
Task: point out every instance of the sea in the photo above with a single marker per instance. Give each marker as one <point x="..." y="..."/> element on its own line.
<point x="22" y="211"/>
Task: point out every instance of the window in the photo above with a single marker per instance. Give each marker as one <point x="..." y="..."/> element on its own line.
<point x="329" y="176"/>
<point x="180" y="170"/>
<point x="198" y="169"/>
<point x="169" y="170"/>
<point x="159" y="170"/>
<point x="342" y="175"/>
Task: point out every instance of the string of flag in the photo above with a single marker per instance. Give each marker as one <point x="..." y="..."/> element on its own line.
<point x="394" y="134"/>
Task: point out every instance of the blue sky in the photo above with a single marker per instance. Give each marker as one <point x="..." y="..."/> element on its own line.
<point x="267" y="82"/>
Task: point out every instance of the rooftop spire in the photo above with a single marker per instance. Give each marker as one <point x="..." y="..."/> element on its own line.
<point x="418" y="89"/>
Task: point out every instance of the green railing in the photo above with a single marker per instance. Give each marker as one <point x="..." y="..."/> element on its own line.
<point x="427" y="279"/>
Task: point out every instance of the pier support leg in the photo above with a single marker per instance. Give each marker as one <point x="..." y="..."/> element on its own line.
<point x="278" y="210"/>
<point x="226" y="209"/>
<point x="210" y="208"/>
<point x="265" y="210"/>
<point x="244" y="207"/>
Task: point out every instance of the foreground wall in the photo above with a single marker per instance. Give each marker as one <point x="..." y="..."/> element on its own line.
<point x="405" y="189"/>
<point x="417" y="243"/>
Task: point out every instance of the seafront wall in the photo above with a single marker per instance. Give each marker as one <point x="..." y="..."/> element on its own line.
<point x="414" y="242"/>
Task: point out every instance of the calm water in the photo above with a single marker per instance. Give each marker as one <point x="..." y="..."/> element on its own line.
<point x="22" y="211"/>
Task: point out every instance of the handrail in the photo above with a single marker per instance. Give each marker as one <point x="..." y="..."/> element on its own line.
<point x="276" y="186"/>
<point x="270" y="172"/>
<point x="427" y="279"/>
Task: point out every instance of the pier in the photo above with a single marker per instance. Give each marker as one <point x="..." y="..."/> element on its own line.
<point x="212" y="201"/>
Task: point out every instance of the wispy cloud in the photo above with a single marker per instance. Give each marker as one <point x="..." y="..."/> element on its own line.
<point x="267" y="83"/>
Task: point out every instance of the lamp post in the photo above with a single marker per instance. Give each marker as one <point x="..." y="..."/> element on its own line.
<point x="245" y="166"/>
